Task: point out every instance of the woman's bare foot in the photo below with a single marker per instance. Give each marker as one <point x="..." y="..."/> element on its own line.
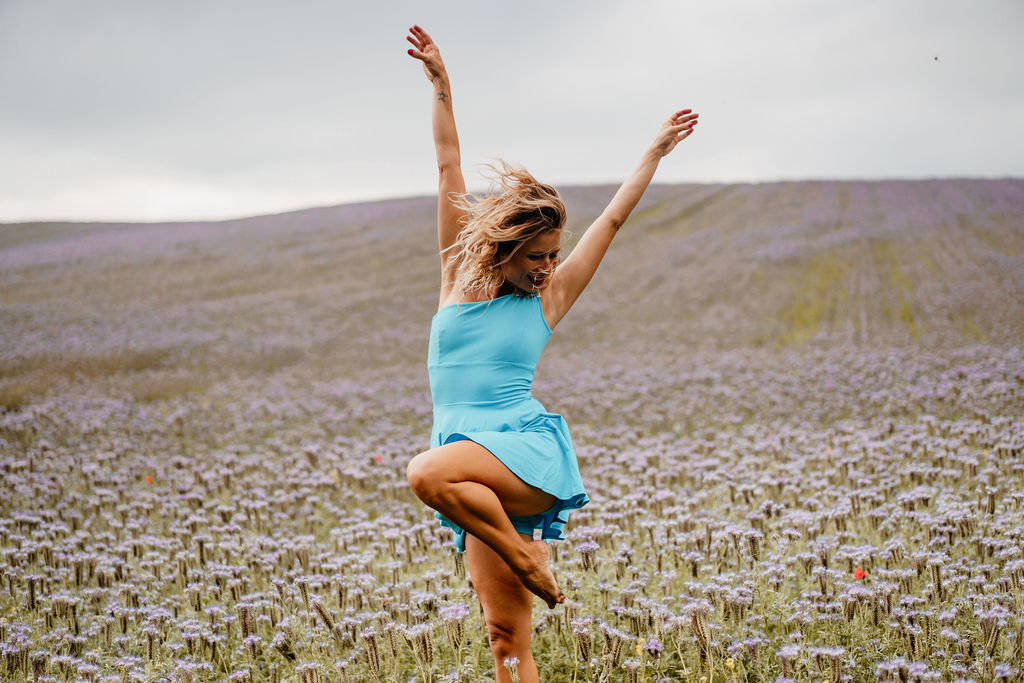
<point x="539" y="579"/>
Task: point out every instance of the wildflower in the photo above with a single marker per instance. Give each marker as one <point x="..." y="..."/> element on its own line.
<point x="511" y="665"/>
<point x="390" y="632"/>
<point x="454" y="616"/>
<point x="252" y="642"/>
<point x="753" y="542"/>
<point x="246" y="618"/>
<point x="632" y="667"/>
<point x="422" y="643"/>
<point x="40" y="658"/>
<point x="372" y="651"/>
<point x="342" y="666"/>
<point x="615" y="641"/>
<point x="892" y="670"/>
<point x="859" y="573"/>
<point x="184" y="671"/>
<point x="309" y="672"/>
<point x="786" y="654"/>
<point x="829" y="658"/>
<point x="992" y="622"/>
<point x="303" y="583"/>
<point x="324" y="615"/>
<point x="458" y="610"/>
<point x="584" y="641"/>
<point x="283" y="639"/>
<point x="588" y="551"/>
<point x="1005" y="672"/>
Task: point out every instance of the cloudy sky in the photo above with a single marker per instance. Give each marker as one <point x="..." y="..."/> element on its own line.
<point x="181" y="109"/>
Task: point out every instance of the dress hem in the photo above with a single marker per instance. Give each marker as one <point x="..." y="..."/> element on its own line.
<point x="550" y="522"/>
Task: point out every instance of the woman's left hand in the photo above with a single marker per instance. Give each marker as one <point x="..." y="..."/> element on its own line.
<point x="426" y="51"/>
<point x="676" y="129"/>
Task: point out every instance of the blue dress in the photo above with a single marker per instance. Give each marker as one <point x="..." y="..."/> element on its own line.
<point x="481" y="361"/>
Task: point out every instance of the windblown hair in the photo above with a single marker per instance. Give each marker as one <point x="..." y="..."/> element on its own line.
<point x="516" y="209"/>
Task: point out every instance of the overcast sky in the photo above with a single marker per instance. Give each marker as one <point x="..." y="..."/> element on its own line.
<point x="174" y="109"/>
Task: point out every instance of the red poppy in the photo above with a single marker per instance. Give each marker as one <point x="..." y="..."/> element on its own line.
<point x="378" y="457"/>
<point x="859" y="573"/>
<point x="149" y="479"/>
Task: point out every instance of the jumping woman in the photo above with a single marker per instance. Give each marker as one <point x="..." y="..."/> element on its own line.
<point x="500" y="467"/>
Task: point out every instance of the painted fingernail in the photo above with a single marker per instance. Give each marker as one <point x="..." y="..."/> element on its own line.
<point x="410" y="50"/>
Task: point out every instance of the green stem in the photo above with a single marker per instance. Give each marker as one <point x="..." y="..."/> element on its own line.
<point x="682" y="662"/>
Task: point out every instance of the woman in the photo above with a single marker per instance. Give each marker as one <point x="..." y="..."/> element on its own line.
<point x="500" y="467"/>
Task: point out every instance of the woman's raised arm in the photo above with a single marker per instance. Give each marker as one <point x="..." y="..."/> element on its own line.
<point x="572" y="276"/>
<point x="446" y="142"/>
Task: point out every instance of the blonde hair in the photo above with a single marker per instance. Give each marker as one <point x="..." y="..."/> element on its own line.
<point x="515" y="209"/>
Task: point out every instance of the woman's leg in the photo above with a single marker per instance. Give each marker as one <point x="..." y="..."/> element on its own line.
<point x="468" y="485"/>
<point x="508" y="608"/>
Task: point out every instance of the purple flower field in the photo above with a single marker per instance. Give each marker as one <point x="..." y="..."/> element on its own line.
<point x="799" y="411"/>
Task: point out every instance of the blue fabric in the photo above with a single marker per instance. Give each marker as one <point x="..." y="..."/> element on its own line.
<point x="481" y="361"/>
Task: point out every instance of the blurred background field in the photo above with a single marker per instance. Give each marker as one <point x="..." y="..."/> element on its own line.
<point x="770" y="386"/>
<point x="158" y="310"/>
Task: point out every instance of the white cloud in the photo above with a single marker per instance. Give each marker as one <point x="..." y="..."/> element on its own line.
<point x="253" y="106"/>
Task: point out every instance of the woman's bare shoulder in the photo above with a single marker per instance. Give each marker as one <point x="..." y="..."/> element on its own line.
<point x="450" y="295"/>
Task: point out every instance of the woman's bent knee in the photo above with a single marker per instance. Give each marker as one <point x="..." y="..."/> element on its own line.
<point x="423" y="477"/>
<point x="415" y="474"/>
<point x="506" y="641"/>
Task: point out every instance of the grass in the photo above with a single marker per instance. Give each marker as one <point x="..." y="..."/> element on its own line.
<point x="817" y="298"/>
<point x="889" y="259"/>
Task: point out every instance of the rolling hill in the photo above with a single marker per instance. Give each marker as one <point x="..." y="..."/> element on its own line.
<point x="348" y="291"/>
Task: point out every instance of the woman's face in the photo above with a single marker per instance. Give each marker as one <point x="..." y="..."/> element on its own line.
<point x="530" y="268"/>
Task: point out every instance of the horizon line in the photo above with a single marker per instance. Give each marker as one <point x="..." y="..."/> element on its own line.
<point x="371" y="199"/>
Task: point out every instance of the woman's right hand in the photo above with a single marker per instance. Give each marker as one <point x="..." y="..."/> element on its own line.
<point x="426" y="51"/>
